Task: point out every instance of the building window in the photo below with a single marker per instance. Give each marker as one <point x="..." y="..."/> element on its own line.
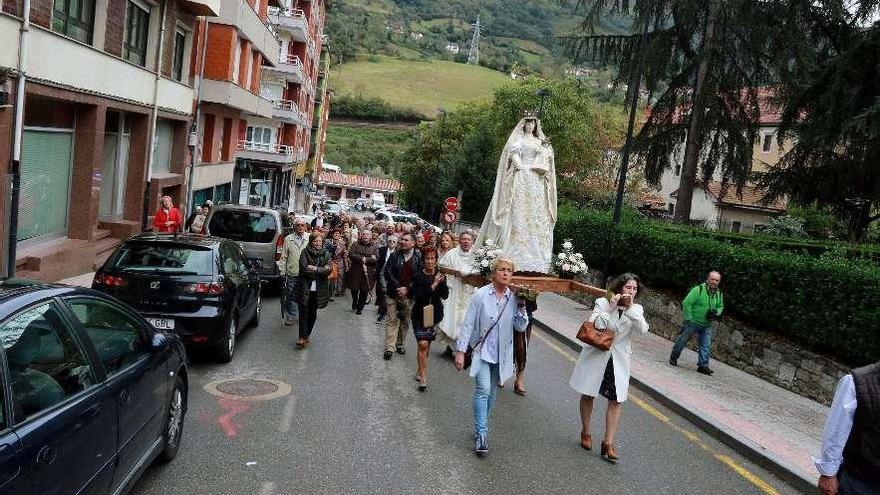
<point x="162" y="147"/>
<point x="137" y="26"/>
<point x="766" y="143"/>
<point x="671" y="208"/>
<point x="74" y="19"/>
<point x="677" y="170"/>
<point x="259" y="138"/>
<point x="736" y="227"/>
<point x="179" y="55"/>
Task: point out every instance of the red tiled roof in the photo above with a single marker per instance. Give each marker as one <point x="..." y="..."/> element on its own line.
<point x="358" y="181"/>
<point x="769" y="112"/>
<point x="750" y="197"/>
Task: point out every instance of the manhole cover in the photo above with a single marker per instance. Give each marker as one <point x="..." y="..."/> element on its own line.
<point x="248" y="388"/>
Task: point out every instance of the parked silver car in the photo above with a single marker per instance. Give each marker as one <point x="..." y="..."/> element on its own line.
<point x="259" y="232"/>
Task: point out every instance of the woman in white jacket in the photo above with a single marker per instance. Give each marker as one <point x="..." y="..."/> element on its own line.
<point x="607" y="372"/>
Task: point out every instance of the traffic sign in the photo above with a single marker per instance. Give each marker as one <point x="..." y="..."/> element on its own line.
<point x="449" y="217"/>
<point x="451" y="204"/>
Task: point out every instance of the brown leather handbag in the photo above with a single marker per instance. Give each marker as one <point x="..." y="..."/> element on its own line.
<point x="590" y="335"/>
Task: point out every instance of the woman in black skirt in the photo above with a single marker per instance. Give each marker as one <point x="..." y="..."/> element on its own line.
<point x="606" y="373"/>
<point x="427" y="289"/>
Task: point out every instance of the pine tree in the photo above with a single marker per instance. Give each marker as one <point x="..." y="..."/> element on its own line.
<point x="705" y="61"/>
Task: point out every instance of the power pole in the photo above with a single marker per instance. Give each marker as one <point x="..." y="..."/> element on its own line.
<point x="474" y="53"/>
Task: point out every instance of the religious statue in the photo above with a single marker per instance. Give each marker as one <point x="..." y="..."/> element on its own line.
<point x="522" y="214"/>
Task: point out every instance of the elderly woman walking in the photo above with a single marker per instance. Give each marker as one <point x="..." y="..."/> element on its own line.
<point x="313" y="291"/>
<point x="428" y="290"/>
<point x="492" y="317"/>
<point x="606" y="373"/>
<point x="363" y="257"/>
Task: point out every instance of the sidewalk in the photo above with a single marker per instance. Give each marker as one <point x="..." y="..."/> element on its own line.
<point x="84" y="280"/>
<point x="773" y="427"/>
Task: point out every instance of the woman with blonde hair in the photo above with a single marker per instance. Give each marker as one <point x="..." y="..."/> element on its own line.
<point x="606" y="373"/>
<point x="446" y="243"/>
<point x="493" y="315"/>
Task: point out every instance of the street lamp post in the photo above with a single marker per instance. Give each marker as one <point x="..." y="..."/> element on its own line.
<point x="544" y="93"/>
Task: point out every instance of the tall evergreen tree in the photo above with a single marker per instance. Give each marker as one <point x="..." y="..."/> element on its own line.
<point x="705" y="61"/>
<point x="830" y="90"/>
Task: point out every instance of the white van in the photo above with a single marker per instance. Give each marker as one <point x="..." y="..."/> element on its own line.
<point x="378" y="200"/>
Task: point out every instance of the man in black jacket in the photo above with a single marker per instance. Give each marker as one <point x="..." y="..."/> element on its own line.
<point x="385" y="252"/>
<point x="397" y="275"/>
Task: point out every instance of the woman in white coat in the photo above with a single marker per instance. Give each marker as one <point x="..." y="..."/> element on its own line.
<point x="607" y="372"/>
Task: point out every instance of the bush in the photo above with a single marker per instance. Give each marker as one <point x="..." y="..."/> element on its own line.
<point x="827" y="303"/>
<point x="786" y="226"/>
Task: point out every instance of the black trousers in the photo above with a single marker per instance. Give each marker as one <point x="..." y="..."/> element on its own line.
<point x="380" y="300"/>
<point x="308" y="314"/>
<point x="358" y="299"/>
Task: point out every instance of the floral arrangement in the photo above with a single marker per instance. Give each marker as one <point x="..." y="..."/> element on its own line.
<point x="485" y="255"/>
<point x="568" y="262"/>
<point x="527" y="293"/>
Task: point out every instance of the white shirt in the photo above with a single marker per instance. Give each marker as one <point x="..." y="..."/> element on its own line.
<point x="837" y="428"/>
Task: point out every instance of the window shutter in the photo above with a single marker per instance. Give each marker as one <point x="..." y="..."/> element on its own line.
<point x="45" y="183"/>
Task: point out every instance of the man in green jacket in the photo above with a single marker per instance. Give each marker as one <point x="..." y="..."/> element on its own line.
<point x="704" y="303"/>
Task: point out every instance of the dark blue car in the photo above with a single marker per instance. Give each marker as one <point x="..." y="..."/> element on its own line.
<point x="91" y="393"/>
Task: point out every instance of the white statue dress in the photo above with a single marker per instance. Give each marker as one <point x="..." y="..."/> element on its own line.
<point x="522" y="214"/>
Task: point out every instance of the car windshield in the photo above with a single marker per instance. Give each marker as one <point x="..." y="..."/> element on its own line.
<point x="156" y="257"/>
<point x="243" y="225"/>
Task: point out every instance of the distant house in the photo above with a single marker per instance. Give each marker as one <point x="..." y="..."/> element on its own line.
<point x="336" y="185"/>
<point x="718" y="203"/>
<point x="452" y="48"/>
<point x="579" y="72"/>
<point x="416" y="35"/>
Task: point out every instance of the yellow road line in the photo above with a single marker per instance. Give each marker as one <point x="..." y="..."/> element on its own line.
<point x="691" y="436"/>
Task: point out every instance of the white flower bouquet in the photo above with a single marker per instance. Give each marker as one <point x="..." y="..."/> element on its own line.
<point x="568" y="263"/>
<point x="485" y="255"/>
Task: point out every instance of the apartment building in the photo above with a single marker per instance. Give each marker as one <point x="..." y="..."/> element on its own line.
<point x="102" y="77"/>
<point x="233" y="51"/>
<point x="258" y="101"/>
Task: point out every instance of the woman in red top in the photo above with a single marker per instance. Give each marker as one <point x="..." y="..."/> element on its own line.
<point x="168" y="218"/>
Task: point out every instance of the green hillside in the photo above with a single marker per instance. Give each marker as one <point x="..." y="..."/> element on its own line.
<point x="420" y="85"/>
<point x="374" y="149"/>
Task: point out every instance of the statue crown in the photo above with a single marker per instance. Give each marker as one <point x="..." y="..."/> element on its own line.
<point x="528" y="114"/>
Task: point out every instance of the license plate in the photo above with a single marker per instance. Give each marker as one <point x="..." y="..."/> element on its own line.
<point x="162" y="323"/>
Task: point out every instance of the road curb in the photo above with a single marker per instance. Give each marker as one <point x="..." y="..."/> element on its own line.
<point x="725" y="435"/>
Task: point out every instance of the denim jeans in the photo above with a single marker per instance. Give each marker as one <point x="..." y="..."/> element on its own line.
<point x="704" y="336"/>
<point x="485" y="390"/>
<point x="289" y="307"/>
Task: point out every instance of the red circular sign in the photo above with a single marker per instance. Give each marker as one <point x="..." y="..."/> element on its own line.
<point x="451" y="204"/>
<point x="449" y="217"/>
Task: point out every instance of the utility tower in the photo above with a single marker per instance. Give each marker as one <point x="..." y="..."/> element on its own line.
<point x="474" y="53"/>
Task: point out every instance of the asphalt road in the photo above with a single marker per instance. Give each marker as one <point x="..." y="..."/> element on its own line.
<point x="354" y="423"/>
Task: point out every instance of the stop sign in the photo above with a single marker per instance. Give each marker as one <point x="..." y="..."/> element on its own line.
<point x="451" y="204"/>
<point x="449" y="217"/>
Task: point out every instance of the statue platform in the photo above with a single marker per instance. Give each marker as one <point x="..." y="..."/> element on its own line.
<point x="540" y="283"/>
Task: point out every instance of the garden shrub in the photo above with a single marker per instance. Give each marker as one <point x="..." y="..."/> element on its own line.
<point x="827" y="303"/>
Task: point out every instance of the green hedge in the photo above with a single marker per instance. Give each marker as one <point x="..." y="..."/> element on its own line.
<point x="371" y="108"/>
<point x="831" y="305"/>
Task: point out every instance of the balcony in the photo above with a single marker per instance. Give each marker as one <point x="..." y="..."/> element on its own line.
<point x="241" y="15"/>
<point x="290" y="67"/>
<point x="292" y="21"/>
<point x="232" y="95"/>
<point x="270" y="152"/>
<point x="288" y="111"/>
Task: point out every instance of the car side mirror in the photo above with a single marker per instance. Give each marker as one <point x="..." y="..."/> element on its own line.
<point x="160" y="341"/>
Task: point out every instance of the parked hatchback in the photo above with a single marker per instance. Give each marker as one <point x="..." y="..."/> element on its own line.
<point x="259" y="232"/>
<point x="202" y="288"/>
<point x="90" y="392"/>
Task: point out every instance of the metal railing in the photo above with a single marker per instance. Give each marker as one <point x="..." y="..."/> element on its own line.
<point x="279" y="149"/>
<point x="294" y="60"/>
<point x="288" y="105"/>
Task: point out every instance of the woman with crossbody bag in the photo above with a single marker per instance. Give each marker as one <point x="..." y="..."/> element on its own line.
<point x="492" y="317"/>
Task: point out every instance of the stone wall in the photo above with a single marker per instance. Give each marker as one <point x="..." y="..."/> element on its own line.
<point x="763" y="354"/>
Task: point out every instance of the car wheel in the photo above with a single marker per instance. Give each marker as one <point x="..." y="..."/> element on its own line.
<point x="255" y="321"/>
<point x="173" y="430"/>
<point x="227" y="346"/>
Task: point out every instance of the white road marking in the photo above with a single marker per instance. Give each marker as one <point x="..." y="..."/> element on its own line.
<point x="287" y="415"/>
